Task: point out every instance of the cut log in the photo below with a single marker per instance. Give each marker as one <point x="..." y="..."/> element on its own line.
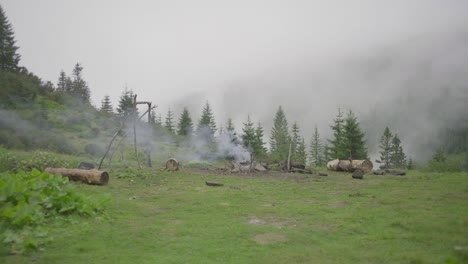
<point x="93" y="177"/>
<point x="350" y="165"/>
<point x="172" y="164"/>
<point x="322" y="174"/>
<point x="214" y="184"/>
<point x="379" y="172"/>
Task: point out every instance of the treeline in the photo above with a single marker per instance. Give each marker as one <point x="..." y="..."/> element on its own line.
<point x="32" y="99"/>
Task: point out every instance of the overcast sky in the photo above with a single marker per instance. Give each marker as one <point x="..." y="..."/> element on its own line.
<point x="249" y="57"/>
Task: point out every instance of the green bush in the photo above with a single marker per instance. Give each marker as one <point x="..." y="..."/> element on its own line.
<point x="29" y="201"/>
<point x="16" y="161"/>
<point x="443" y="166"/>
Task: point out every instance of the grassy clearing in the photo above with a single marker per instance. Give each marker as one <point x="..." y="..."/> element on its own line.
<point x="161" y="217"/>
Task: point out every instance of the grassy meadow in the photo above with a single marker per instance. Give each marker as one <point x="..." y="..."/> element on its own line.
<point x="174" y="217"/>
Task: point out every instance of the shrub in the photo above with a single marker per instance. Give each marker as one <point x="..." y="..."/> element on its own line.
<point x="30" y="200"/>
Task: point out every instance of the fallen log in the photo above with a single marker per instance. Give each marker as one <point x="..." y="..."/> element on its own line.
<point x="322" y="174"/>
<point x="172" y="164"/>
<point x="350" y="165"/>
<point x="214" y="184"/>
<point x="93" y="177"/>
<point x="396" y="172"/>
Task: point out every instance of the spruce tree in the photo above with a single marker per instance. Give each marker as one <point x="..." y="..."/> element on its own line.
<point x="185" y="126"/>
<point x="336" y="148"/>
<point x="231" y="131"/>
<point x="295" y="139"/>
<point x="168" y="124"/>
<point x="80" y="89"/>
<point x="106" y="105"/>
<point x="126" y="103"/>
<point x="386" y="149"/>
<point x="9" y="58"/>
<point x="316" y="149"/>
<point x="353" y="139"/>
<point x="63" y="82"/>
<point x="279" y="138"/>
<point x="397" y="157"/>
<point x="206" y="127"/>
<point x="248" y="135"/>
<point x="301" y="155"/>
<point x="259" y="145"/>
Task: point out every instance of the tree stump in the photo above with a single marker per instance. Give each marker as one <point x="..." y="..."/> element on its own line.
<point x="172" y="164"/>
<point x="358" y="174"/>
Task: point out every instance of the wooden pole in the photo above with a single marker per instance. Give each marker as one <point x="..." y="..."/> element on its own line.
<point x="289" y="157"/>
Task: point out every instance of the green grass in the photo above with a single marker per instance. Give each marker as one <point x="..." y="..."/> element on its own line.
<point x="162" y="217"/>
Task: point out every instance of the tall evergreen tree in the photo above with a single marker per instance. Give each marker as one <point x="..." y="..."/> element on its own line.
<point x="386" y="149"/>
<point x="168" y="123"/>
<point x="336" y="148"/>
<point x="259" y="144"/>
<point x="106" y="105"/>
<point x="126" y="103"/>
<point x="353" y="139"/>
<point x="231" y="131"/>
<point x="185" y="126"/>
<point x="316" y="149"/>
<point x="206" y="127"/>
<point x="9" y="58"/>
<point x="397" y="156"/>
<point x="301" y="155"/>
<point x="248" y="135"/>
<point x="62" y="82"/>
<point x="295" y="139"/>
<point x="80" y="88"/>
<point x="279" y="138"/>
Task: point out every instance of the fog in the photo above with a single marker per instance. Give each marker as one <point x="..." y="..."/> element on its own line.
<point x="402" y="64"/>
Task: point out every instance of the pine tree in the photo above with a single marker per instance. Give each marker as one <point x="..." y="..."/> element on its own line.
<point x="106" y="105"/>
<point x="295" y="139"/>
<point x="79" y="87"/>
<point x="301" y="155"/>
<point x="386" y="149"/>
<point x="248" y="135"/>
<point x="206" y="127"/>
<point x="62" y="82"/>
<point x="410" y="164"/>
<point x="397" y="157"/>
<point x="316" y="149"/>
<point x="279" y="138"/>
<point x="126" y="103"/>
<point x="231" y="131"/>
<point x="168" y="124"/>
<point x="185" y="126"/>
<point x="336" y="148"/>
<point x="439" y="155"/>
<point x="259" y="145"/>
<point x="353" y="139"/>
<point x="9" y="58"/>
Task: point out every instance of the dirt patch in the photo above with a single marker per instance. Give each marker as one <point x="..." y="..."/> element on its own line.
<point x="270" y="238"/>
<point x="338" y="204"/>
<point x="272" y="221"/>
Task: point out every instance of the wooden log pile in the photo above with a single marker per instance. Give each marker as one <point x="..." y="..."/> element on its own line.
<point x="350" y="165"/>
<point x="93" y="177"/>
